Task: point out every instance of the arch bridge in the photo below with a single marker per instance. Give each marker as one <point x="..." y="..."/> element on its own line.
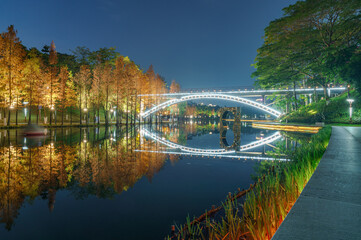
<point x="216" y="96"/>
<point x="238" y="96"/>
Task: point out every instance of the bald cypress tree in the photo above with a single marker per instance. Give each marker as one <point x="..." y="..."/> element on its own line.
<point x="11" y="63"/>
<point x="82" y="80"/>
<point x="53" y="60"/>
<point x="32" y="79"/>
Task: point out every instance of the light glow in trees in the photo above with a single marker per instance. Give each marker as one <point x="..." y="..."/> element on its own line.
<point x="11" y="63"/>
<point x="96" y="82"/>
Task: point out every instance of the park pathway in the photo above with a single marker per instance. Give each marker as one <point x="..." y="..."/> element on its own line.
<point x="329" y="207"/>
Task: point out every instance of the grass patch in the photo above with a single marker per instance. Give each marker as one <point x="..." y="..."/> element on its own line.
<point x="336" y="110"/>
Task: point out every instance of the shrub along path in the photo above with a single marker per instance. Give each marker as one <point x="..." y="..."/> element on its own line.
<point x="329" y="207"/>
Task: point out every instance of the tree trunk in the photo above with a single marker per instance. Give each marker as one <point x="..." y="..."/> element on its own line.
<point x="117" y="117"/>
<point x="80" y="114"/>
<point x="94" y="114"/>
<point x="16" y="117"/>
<point x="135" y="108"/>
<point x="295" y="95"/>
<point x="105" y="116"/>
<point x="121" y="117"/>
<point x="10" y="86"/>
<point x="37" y="114"/>
<point x="314" y="94"/>
<point x="9" y="113"/>
<point x="117" y="109"/>
<point x="98" y="115"/>
<point x="71" y="115"/>
<point x="127" y="114"/>
<point x="140" y="108"/>
<point x="50" y="117"/>
<point x="62" y="117"/>
<point x="29" y="120"/>
<point x="325" y="91"/>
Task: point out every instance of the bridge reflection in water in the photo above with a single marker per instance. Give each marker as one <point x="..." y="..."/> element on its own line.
<point x="105" y="162"/>
<point x="215" y="152"/>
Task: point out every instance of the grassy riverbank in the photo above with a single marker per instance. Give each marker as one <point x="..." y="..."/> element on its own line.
<point x="260" y="213"/>
<point x="336" y="110"/>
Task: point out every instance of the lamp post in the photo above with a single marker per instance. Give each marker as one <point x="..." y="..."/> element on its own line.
<point x="53" y="115"/>
<point x="350" y="101"/>
<point x="85" y="114"/>
<point x="25" y="109"/>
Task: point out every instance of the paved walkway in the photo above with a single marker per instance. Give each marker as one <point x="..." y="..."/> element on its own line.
<point x="330" y="205"/>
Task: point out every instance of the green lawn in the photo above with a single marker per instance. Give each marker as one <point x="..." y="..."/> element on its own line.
<point x="335" y="111"/>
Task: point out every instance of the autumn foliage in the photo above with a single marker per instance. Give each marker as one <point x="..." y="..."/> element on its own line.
<point x="91" y="86"/>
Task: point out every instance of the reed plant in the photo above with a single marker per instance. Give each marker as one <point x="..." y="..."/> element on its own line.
<point x="230" y="226"/>
<point x="268" y="203"/>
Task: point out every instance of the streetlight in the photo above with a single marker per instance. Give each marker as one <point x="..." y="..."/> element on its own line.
<point x="350" y="101"/>
<point x="53" y="115"/>
<point x="85" y="110"/>
<point x="111" y="115"/>
<point x="25" y="109"/>
<point x="115" y="111"/>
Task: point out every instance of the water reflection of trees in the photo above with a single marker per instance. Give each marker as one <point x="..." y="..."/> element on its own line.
<point x="103" y="167"/>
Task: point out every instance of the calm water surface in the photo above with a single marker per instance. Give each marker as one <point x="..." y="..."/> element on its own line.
<point x="97" y="183"/>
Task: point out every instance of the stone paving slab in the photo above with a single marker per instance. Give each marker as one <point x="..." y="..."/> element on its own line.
<point x="329" y="207"/>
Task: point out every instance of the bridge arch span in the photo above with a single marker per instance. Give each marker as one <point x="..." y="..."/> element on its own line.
<point x="246" y="147"/>
<point x="212" y="96"/>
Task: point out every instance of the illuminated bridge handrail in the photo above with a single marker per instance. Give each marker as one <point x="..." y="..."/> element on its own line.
<point x="212" y="96"/>
<point x="261" y="142"/>
<point x="246" y="91"/>
<point x="215" y="155"/>
<point x="245" y="147"/>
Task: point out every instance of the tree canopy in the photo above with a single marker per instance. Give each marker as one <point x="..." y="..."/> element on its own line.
<point x="316" y="41"/>
<point x="56" y="82"/>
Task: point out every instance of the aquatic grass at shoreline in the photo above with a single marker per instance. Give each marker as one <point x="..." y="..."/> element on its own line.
<point x="267" y="204"/>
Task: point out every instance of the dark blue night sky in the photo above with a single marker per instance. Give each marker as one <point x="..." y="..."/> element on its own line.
<point x="199" y="43"/>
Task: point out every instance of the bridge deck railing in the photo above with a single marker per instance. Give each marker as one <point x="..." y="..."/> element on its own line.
<point x="245" y="91"/>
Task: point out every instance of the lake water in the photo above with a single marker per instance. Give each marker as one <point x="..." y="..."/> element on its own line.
<point x="98" y="183"/>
